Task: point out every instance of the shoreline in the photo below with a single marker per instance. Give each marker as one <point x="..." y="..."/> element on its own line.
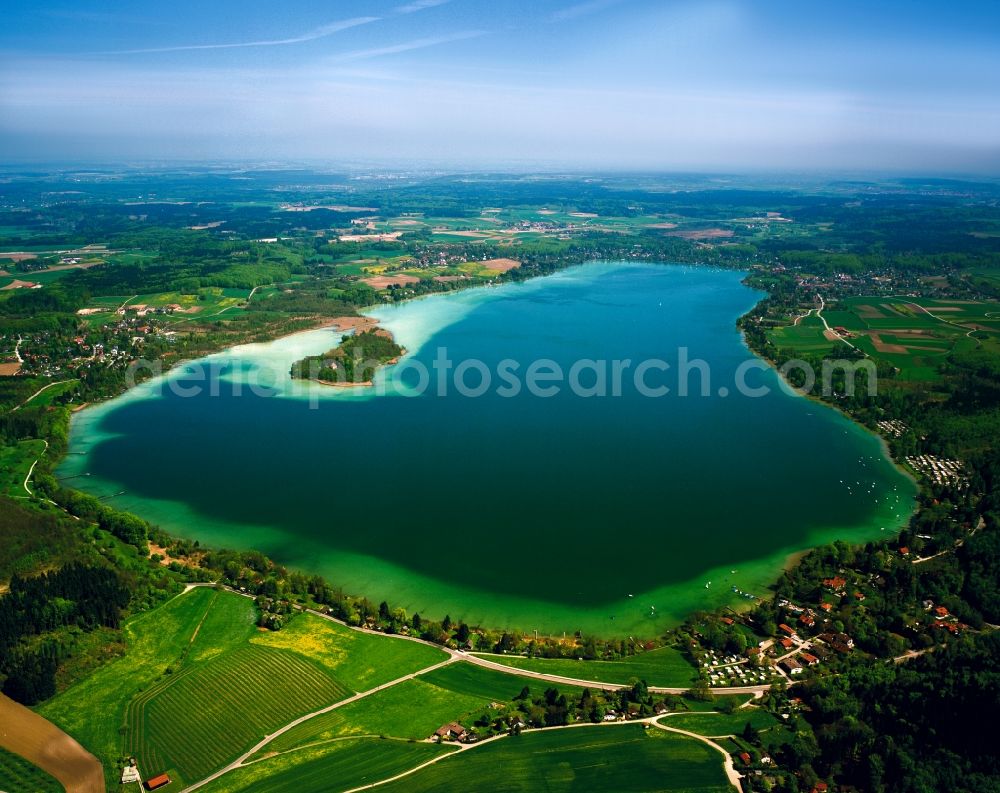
<point x="795" y="557"/>
<point x="367" y="322"/>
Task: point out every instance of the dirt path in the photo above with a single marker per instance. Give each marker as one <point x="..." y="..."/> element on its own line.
<point x="831" y="331"/>
<point x="24" y="732"/>
<point x="32" y="469"/>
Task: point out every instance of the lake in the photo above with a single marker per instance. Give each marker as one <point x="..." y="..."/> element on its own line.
<point x="559" y="511"/>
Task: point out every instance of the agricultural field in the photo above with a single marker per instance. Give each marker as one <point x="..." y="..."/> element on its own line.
<point x="805" y="337"/>
<point x="335" y="766"/>
<point x="665" y="666"/>
<point x="197" y="719"/>
<point x="381" y="273"/>
<point x="619" y="757"/>
<point x="915" y="335"/>
<point x="198" y="667"/>
<point x="17" y="774"/>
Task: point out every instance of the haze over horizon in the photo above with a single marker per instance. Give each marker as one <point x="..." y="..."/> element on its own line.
<point x="680" y="85"/>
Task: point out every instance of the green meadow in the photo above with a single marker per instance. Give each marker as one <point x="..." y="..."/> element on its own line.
<point x="197" y="720"/>
<point x="15" y="462"/>
<point x="409" y="710"/>
<point x="626" y="757"/>
<point x="715" y="724"/>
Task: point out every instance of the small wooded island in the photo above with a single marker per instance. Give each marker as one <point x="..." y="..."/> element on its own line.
<point x="353" y="363"/>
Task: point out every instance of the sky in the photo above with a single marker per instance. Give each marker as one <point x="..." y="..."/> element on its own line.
<point x="881" y="86"/>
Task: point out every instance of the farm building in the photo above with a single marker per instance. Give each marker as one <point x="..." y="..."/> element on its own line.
<point x="153" y="783"/>
<point x="450" y="732"/>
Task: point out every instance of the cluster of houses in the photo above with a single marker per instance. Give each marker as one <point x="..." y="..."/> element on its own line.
<point x="940" y="470"/>
<point x="142" y="309"/>
<point x="943" y="619"/>
<point x="453" y="731"/>
<point x="892" y="428"/>
<point x="733" y="670"/>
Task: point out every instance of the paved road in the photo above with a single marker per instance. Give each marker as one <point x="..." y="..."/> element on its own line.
<point x="727" y="763"/>
<point x="576" y="681"/>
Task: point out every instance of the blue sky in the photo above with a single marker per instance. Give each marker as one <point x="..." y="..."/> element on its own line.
<point x="711" y="84"/>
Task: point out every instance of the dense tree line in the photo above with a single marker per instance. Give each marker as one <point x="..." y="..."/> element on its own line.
<point x="74" y="595"/>
<point x="920" y="727"/>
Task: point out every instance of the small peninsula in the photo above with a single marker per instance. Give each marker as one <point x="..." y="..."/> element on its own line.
<point x="353" y="363"/>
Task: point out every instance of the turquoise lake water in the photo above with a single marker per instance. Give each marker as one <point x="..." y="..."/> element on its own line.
<point x="618" y="514"/>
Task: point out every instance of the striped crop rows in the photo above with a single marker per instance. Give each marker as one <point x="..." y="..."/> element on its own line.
<point x="208" y="714"/>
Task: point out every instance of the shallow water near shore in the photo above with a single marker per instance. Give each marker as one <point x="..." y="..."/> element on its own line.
<point x="609" y="514"/>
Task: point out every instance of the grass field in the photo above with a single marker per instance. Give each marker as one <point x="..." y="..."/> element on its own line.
<point x="805" y="337"/>
<point x="620" y="758"/>
<point x="721" y="723"/>
<point x="358" y="660"/>
<point x="17" y="775"/>
<point x="47" y="397"/>
<point x="15" y="461"/>
<point x="336" y="766"/>
<point x="665" y="666"/>
<point x="413" y="709"/>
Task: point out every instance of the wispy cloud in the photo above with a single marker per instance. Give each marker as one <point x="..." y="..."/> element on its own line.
<point x="316" y="33"/>
<point x="581" y="10"/>
<point x="406" y="46"/>
<point x="418" y="5"/>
